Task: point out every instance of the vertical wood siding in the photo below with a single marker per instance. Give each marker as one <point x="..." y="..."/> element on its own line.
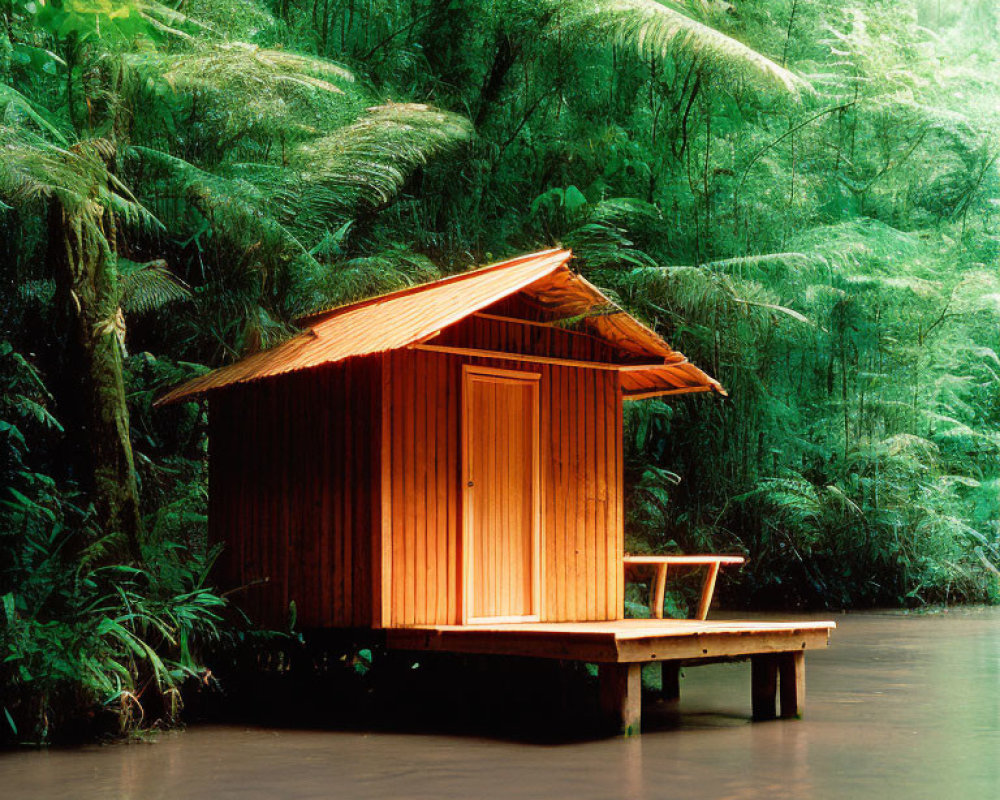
<point x="581" y="477"/>
<point x="535" y="340"/>
<point x="294" y="493"/>
<point x="296" y="490"/>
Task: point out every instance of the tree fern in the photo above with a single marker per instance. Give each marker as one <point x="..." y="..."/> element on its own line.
<point x="149" y="286"/>
<point x="368" y="161"/>
<point x="665" y="28"/>
<point x="251" y="90"/>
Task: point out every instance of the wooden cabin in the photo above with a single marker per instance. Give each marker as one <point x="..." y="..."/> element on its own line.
<point x="446" y="459"/>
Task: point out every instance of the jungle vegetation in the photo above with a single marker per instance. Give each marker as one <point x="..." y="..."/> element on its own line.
<point x="802" y="197"/>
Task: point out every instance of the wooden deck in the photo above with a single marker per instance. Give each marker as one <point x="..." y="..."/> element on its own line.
<point x="620" y="648"/>
<point x="617" y="641"/>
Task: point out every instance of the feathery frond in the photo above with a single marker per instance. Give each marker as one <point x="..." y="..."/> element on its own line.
<point x="146" y="287"/>
<point x="657" y="29"/>
<point x="368" y="161"/>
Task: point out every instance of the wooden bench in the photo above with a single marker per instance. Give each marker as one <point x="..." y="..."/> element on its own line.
<point x="661" y="563"/>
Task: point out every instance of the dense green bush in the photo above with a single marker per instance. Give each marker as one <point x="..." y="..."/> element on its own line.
<point x="89" y="644"/>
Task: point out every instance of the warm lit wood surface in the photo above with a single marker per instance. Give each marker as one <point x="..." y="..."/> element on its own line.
<point x="580" y="477"/>
<point x="618" y="641"/>
<point x="708" y="559"/>
<point x="660" y="563"/>
<point x="500" y="469"/>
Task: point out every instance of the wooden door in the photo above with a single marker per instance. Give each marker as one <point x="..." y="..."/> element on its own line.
<point x="500" y="475"/>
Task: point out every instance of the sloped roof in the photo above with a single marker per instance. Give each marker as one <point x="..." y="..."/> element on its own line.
<point x="416" y="314"/>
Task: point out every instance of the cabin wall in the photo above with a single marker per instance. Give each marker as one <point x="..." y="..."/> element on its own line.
<point x="582" y="523"/>
<point x="294" y="493"/>
<point x="490" y="333"/>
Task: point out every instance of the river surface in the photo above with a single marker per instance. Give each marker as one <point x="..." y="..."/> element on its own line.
<point x="900" y="706"/>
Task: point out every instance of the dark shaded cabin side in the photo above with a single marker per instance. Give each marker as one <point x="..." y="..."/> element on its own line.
<point x="293" y="493"/>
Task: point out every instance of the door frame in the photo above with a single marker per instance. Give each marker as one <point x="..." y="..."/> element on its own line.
<point x="471" y="372"/>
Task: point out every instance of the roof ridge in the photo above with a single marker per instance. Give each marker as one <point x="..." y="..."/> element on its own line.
<point x="313" y="317"/>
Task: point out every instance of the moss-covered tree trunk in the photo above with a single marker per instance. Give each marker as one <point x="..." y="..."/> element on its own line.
<point x="84" y="266"/>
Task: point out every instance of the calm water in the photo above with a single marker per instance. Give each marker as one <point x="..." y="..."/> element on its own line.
<point x="899" y="707"/>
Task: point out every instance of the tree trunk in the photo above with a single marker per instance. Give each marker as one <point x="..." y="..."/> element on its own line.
<point x="83" y="261"/>
<point x="504" y="57"/>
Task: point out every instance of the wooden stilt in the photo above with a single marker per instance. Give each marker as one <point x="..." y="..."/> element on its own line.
<point x="792" y="681"/>
<point x="763" y="685"/>
<point x="621" y="696"/>
<point x="670" y="686"/>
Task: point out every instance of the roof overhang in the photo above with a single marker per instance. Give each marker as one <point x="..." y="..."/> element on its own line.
<point x="415" y="315"/>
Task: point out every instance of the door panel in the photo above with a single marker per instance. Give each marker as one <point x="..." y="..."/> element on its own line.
<point x="501" y="509"/>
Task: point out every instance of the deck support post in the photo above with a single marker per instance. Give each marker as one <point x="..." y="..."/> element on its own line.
<point x="792" y="680"/>
<point x="770" y="671"/>
<point x="764" y="685"/>
<point x="670" y="680"/>
<point x="621" y="697"/>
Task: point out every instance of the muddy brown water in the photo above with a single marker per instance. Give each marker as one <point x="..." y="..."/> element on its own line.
<point x="900" y="706"/>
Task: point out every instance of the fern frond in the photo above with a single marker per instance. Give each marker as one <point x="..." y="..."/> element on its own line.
<point x="253" y="90"/>
<point x="347" y="281"/>
<point x="16" y="110"/>
<point x="244" y="213"/>
<point x="233" y="19"/>
<point x="239" y="66"/>
<point x="145" y="287"/>
<point x="657" y="29"/>
<point x="34" y="169"/>
<point x="368" y="161"/>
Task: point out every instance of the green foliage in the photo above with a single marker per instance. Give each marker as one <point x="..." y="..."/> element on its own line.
<point x="82" y="636"/>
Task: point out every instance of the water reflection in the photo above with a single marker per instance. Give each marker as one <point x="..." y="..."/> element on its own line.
<point x="902" y="706"/>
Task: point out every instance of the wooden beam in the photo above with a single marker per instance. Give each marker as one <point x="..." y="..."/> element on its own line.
<point x="792" y="682"/>
<point x="644" y="367"/>
<point x="554" y="325"/>
<point x="473" y="352"/>
<point x="621" y="697"/>
<point x="664" y="393"/>
<point x="539" y="324"/>
<point x="484" y="640"/>
<point x="691" y="560"/>
<point x="382" y="535"/>
<point x="717" y="644"/>
<point x="518" y="320"/>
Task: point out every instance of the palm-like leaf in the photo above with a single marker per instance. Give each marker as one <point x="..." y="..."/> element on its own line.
<point x="145" y="287"/>
<point x="368" y="161"/>
<point x="237" y="65"/>
<point x="658" y="29"/>
<point x="33" y="170"/>
<point x="242" y="211"/>
<point x="16" y="110"/>
<point x="254" y="89"/>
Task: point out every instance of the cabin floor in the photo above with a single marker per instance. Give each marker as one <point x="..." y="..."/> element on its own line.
<point x="620" y="648"/>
